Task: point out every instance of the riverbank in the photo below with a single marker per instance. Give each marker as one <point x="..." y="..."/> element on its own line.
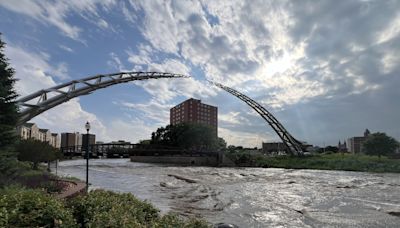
<point x="22" y="207"/>
<point x="37" y="198"/>
<point x="252" y="197"/>
<point x="345" y="162"/>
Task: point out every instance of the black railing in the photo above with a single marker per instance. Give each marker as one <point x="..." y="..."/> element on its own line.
<point x="126" y="150"/>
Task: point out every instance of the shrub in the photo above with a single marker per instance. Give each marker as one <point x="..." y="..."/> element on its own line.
<point x="32" y="208"/>
<point x="172" y="220"/>
<point x="108" y="209"/>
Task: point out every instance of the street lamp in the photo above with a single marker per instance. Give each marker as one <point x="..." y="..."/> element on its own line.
<point x="87" y="126"/>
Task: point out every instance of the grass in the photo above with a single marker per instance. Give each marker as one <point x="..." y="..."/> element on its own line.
<point x="21" y="174"/>
<point x="347" y="162"/>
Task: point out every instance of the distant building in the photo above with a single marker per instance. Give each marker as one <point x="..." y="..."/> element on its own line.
<point x="69" y="140"/>
<point x="92" y="140"/>
<point x="273" y="147"/>
<point x="55" y="140"/>
<point x="193" y="111"/>
<point x="342" y="147"/>
<point x="45" y="135"/>
<point x="355" y="144"/>
<point x="32" y="131"/>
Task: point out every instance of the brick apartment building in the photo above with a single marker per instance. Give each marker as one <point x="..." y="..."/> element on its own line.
<point x="193" y="111"/>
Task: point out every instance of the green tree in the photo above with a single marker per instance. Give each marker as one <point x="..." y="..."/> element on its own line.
<point x="145" y="141"/>
<point x="221" y="143"/>
<point x="35" y="151"/>
<point x="380" y="144"/>
<point x="8" y="107"/>
<point x="187" y="136"/>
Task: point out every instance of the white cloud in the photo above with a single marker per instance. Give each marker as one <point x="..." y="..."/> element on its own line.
<point x="233" y="118"/>
<point x="242" y="138"/>
<point x="56" y="13"/>
<point x="166" y="90"/>
<point x="34" y="73"/>
<point x="152" y="110"/>
<point x="33" y="70"/>
<point x="73" y="119"/>
<point x="131" y="130"/>
<point x="102" y="24"/>
<point x="116" y="63"/>
<point x="68" y="49"/>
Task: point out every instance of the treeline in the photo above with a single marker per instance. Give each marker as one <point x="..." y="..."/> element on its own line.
<point x="191" y="136"/>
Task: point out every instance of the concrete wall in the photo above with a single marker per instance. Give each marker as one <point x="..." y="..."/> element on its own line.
<point x="183" y="160"/>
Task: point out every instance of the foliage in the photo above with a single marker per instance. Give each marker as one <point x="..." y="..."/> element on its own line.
<point x="221" y="143"/>
<point x="8" y="107"/>
<point x="107" y="209"/>
<point x="35" y="151"/>
<point x="334" y="161"/>
<point x="21" y="207"/>
<point x="173" y="221"/>
<point x="188" y="136"/>
<point x="328" y="149"/>
<point x="21" y="174"/>
<point x="380" y="144"/>
<point x="145" y="142"/>
<point x="32" y="208"/>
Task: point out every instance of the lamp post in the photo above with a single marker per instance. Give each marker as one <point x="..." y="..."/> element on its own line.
<point x="87" y="126"/>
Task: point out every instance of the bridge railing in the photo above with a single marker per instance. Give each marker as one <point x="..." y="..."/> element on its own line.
<point x="115" y="150"/>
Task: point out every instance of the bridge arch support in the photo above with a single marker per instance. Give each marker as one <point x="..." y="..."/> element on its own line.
<point x="43" y="100"/>
<point x="294" y="146"/>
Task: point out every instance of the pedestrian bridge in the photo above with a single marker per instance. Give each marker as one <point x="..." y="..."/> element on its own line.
<point x="112" y="150"/>
<point x="45" y="99"/>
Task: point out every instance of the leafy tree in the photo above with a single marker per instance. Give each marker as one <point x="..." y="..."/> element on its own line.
<point x="35" y="151"/>
<point x="8" y="107"/>
<point x="188" y="136"/>
<point x="145" y="141"/>
<point x="380" y="144"/>
<point x="221" y="143"/>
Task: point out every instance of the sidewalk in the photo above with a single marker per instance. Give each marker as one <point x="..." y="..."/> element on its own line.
<point x="74" y="189"/>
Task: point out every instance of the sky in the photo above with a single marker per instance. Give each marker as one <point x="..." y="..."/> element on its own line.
<point x="327" y="70"/>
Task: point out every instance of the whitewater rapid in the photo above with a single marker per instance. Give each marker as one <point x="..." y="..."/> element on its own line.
<point x="253" y="197"/>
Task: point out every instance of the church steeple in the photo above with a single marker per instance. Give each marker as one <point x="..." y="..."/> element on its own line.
<point x="366" y="133"/>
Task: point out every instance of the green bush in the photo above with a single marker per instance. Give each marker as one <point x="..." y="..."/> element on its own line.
<point x="102" y="208"/>
<point x="108" y="209"/>
<point x="32" y="208"/>
<point x="174" y="221"/>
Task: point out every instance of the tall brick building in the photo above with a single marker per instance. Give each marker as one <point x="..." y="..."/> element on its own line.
<point x="193" y="111"/>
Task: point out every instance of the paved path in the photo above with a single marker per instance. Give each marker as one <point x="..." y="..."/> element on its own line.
<point x="74" y="189"/>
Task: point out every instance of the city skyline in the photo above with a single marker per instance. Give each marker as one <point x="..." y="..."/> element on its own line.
<point x="326" y="73"/>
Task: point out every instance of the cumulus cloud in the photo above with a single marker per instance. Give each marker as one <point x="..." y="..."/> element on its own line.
<point x="56" y="13"/>
<point x="34" y="73"/>
<point x="291" y="56"/>
<point x="282" y="52"/>
<point x="166" y="90"/>
<point x="243" y="138"/>
<point x="152" y="110"/>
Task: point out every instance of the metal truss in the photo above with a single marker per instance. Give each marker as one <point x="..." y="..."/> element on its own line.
<point x="294" y="146"/>
<point x="43" y="100"/>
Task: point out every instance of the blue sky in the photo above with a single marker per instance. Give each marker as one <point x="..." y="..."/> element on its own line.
<point x="326" y="69"/>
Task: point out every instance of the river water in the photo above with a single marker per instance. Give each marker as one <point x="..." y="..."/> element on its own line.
<point x="253" y="197"/>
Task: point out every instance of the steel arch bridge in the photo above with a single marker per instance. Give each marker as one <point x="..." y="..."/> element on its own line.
<point x="294" y="146"/>
<point x="43" y="100"/>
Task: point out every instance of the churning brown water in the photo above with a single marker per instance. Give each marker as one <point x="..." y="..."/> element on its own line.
<point x="253" y="197"/>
